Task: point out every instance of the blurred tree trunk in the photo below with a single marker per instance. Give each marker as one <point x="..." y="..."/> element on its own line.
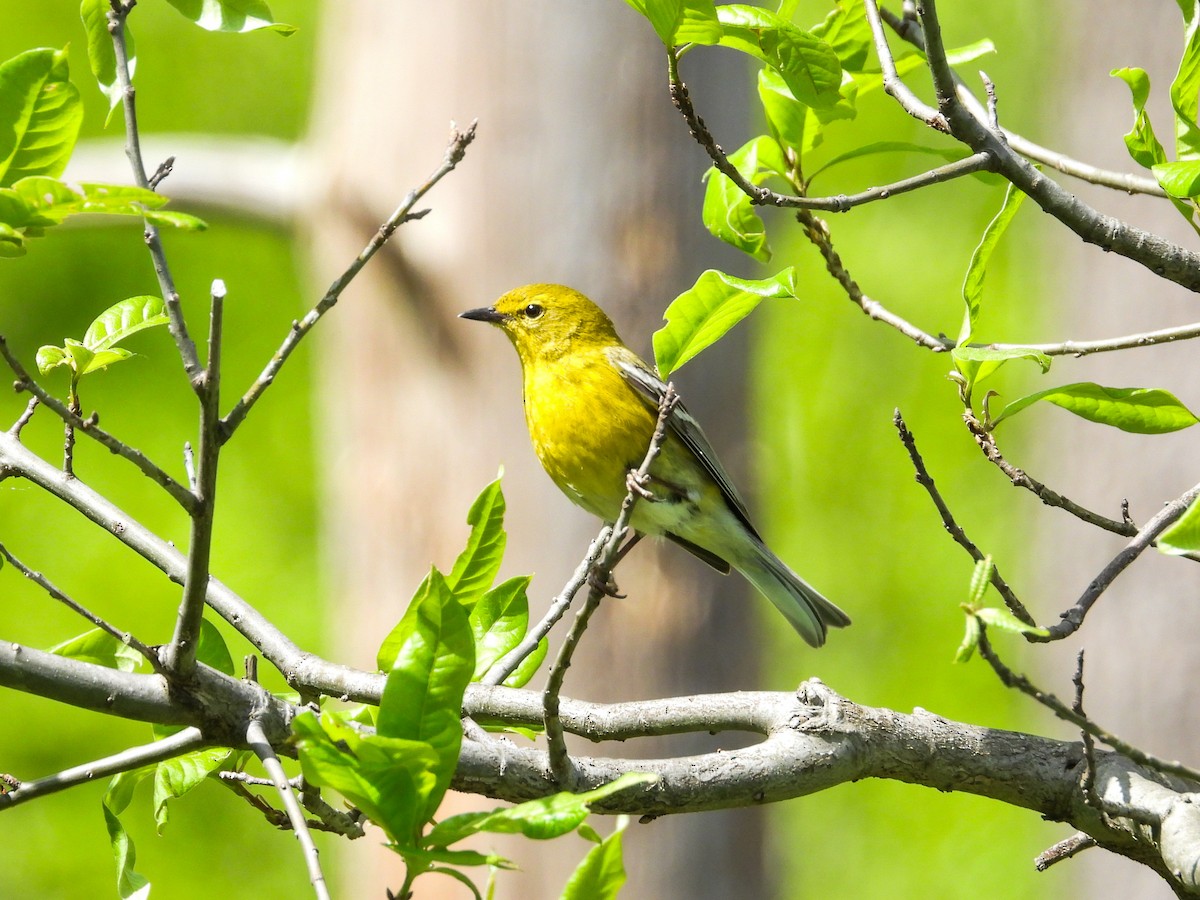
<point x="1141" y="672"/>
<point x="582" y="173"/>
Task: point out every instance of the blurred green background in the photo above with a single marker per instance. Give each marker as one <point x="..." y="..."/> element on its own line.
<point x="823" y="442"/>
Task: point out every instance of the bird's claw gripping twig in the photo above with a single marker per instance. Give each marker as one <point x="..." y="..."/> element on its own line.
<point x="606" y="586"/>
<point x="636" y="483"/>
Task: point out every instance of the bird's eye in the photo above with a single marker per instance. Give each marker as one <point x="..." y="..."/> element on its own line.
<point x="533" y="310"/>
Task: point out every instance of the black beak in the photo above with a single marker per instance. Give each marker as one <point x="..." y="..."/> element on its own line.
<point x="483" y="314"/>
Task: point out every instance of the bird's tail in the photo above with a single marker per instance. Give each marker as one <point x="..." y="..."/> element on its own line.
<point x="801" y="603"/>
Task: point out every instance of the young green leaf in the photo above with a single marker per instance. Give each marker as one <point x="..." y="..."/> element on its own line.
<point x="101" y="56"/>
<point x="970" y="640"/>
<point x="681" y="21"/>
<point x="122" y="319"/>
<point x="498" y="622"/>
<point x="529" y="666"/>
<point x="237" y="16"/>
<point x="1141" y="142"/>
<point x="786" y="116"/>
<point x="728" y="212"/>
<point x="541" y="819"/>
<point x="1185" y="90"/>
<point x="41" y="112"/>
<point x="703" y="314"/>
<point x="977" y="363"/>
<point x="175" y="777"/>
<point x="946" y="153"/>
<point x="848" y="32"/>
<point x="130" y="885"/>
<point x="1179" y="179"/>
<point x="422" y="697"/>
<point x="602" y="873"/>
<point x="1137" y="410"/>
<point x="981" y="577"/>
<point x="808" y="65"/>
<point x="477" y="565"/>
<point x="1183" y="535"/>
<point x="977" y="270"/>
<point x="100" y="648"/>
<point x="994" y="617"/>
<point x="389" y="779"/>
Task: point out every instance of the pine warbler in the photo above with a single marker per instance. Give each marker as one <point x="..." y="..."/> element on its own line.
<point x="591" y="406"/>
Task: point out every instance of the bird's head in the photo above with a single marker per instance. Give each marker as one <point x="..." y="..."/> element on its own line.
<point x="548" y="320"/>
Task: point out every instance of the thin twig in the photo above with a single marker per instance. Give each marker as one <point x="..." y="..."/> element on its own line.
<point x="24" y="418"/>
<point x="89" y="427"/>
<point x="1064" y="849"/>
<point x="893" y="84"/>
<point x="1012" y="679"/>
<point x="508" y="663"/>
<point x="181" y="653"/>
<point x="986" y="441"/>
<point x="69" y="433"/>
<point x="1087" y="783"/>
<point x="1127" y="342"/>
<point x="817" y="231"/>
<point x="165" y="168"/>
<point x="1167" y="260"/>
<point x="181" y="742"/>
<point x="133" y="150"/>
<point x="598" y="580"/>
<point x="955" y="530"/>
<point x="1073" y="617"/>
<point x="976" y="162"/>
<point x="459" y="141"/>
<point x="909" y="30"/>
<point x="45" y="584"/>
<point x="256" y="739"/>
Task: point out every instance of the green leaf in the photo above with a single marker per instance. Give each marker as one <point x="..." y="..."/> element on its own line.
<point x="41" y="112"/>
<point x="977" y="270"/>
<point x="172" y="219"/>
<point x="50" y="357"/>
<point x="1137" y="410"/>
<point x="728" y="212"/>
<point x="529" y="666"/>
<point x="101" y="56"/>
<point x="122" y="319"/>
<point x="602" y="873"/>
<point x="848" y="32"/>
<point x="681" y="21"/>
<point x="212" y="649"/>
<point x="1179" y="179"/>
<point x="476" y="567"/>
<point x="541" y="819"/>
<point x="102" y="359"/>
<point x="787" y="117"/>
<point x="498" y="622"/>
<point x="1183" y="535"/>
<point x="1184" y="91"/>
<point x="422" y="697"/>
<point x="130" y="885"/>
<point x="946" y="153"/>
<point x="100" y="648"/>
<point x="175" y="777"/>
<point x="12" y="242"/>
<point x="238" y="16"/>
<point x="981" y="577"/>
<point x="703" y="314"/>
<point x="808" y="65"/>
<point x="977" y="363"/>
<point x="389" y="779"/>
<point x="970" y="640"/>
<point x="1141" y="142"/>
<point x="994" y="617"/>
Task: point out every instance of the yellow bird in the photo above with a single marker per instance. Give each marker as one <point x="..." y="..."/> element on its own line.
<point x="591" y="406"/>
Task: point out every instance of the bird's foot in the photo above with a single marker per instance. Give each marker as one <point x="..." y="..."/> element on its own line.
<point x="637" y="485"/>
<point x="607" y="587"/>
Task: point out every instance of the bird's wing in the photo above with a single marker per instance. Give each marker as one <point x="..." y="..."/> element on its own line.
<point x="651" y="388"/>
